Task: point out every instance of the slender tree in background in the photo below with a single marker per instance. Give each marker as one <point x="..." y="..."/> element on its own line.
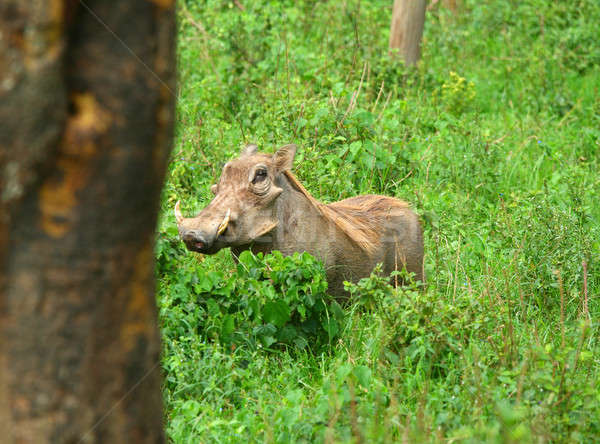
<point x="451" y="4"/>
<point x="408" y="19"/>
<point x="86" y="110"/>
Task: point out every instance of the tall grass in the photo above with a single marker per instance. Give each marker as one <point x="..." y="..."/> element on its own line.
<point x="494" y="139"/>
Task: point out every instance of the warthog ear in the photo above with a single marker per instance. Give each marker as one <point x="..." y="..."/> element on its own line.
<point x="249" y="150"/>
<point x="284" y="157"/>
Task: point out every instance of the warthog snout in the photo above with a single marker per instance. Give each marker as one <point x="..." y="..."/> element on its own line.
<point x="201" y="234"/>
<point x="196" y="240"/>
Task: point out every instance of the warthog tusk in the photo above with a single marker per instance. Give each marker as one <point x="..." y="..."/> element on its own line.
<point x="178" y="215"/>
<point x="223" y="225"/>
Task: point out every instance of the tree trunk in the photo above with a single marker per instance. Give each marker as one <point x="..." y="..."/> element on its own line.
<point x="451" y="4"/>
<point x="85" y="132"/>
<point x="408" y="19"/>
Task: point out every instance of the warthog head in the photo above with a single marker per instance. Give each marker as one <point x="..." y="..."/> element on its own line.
<point x="242" y="210"/>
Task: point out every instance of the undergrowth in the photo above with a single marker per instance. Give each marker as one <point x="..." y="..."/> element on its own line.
<point x="494" y="138"/>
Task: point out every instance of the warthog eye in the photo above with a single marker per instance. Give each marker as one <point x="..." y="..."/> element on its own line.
<point x="259" y="175"/>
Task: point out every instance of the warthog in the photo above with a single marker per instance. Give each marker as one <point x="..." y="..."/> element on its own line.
<point x="260" y="205"/>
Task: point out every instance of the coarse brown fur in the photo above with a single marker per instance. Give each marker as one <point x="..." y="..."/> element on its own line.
<point x="264" y="207"/>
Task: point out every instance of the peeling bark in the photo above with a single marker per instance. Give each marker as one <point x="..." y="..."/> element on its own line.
<point x="85" y="131"/>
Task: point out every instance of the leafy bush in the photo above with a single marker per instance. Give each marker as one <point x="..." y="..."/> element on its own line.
<point x="419" y="330"/>
<point x="457" y="94"/>
<point x="269" y="301"/>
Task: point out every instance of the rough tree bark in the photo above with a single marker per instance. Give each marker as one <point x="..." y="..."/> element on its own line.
<point x="85" y="131"/>
<point x="408" y="19"/>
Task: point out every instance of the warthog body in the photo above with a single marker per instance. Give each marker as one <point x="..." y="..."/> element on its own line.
<point x="260" y="205"/>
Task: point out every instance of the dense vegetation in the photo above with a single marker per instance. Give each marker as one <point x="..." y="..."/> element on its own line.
<point x="494" y="138"/>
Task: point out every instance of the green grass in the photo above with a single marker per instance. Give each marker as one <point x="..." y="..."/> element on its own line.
<point x="494" y="139"/>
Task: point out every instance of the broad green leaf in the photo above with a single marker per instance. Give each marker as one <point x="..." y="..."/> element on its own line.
<point x="276" y="312"/>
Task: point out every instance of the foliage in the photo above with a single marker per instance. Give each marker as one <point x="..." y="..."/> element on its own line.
<point x="493" y="138"/>
<point x="417" y="329"/>
<point x="269" y="301"/>
<point x="457" y="93"/>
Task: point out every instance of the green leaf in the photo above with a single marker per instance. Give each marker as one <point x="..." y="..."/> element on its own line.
<point x="302" y="311"/>
<point x="228" y="325"/>
<point x="213" y="308"/>
<point x="276" y="312"/>
<point x="337" y="311"/>
<point x="354" y="148"/>
<point x="300" y="342"/>
<point x="287" y="334"/>
<point x="267" y="341"/>
<point x="331" y="327"/>
<point x="342" y="373"/>
<point x="363" y="375"/>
